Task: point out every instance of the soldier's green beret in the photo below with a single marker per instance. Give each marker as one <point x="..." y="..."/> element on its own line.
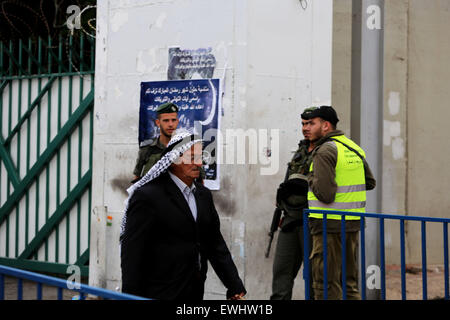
<point x="168" y="107"/>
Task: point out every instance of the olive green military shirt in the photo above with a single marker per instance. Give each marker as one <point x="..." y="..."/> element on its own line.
<point x="148" y="155"/>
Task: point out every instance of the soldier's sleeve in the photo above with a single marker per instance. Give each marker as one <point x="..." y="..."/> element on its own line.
<point x="370" y="180"/>
<point x="322" y="178"/>
<point x="140" y="161"/>
<point x="151" y="160"/>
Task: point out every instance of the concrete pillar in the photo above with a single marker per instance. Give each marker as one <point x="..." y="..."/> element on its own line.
<point x="367" y="107"/>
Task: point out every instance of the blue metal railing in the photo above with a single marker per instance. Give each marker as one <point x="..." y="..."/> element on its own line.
<point x="60" y="284"/>
<point x="381" y="217"/>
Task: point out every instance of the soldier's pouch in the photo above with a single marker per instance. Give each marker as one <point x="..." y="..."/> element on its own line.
<point x="299" y="163"/>
<point x="289" y="224"/>
<point x="297" y="201"/>
<point x="293" y="206"/>
<point x="294" y="166"/>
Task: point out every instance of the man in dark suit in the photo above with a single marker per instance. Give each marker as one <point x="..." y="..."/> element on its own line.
<point x="171" y="229"/>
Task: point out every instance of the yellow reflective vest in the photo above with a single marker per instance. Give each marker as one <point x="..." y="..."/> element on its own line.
<point x="350" y="180"/>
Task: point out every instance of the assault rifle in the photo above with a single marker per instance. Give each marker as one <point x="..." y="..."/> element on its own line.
<point x="275" y="220"/>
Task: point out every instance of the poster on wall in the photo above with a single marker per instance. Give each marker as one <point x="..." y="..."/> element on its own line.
<point x="199" y="104"/>
<point x="190" y="63"/>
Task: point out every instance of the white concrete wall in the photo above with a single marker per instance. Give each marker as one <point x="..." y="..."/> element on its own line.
<point x="274" y="58"/>
<point x="428" y="149"/>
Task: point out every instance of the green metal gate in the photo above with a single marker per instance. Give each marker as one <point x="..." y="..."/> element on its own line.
<point x="46" y="133"/>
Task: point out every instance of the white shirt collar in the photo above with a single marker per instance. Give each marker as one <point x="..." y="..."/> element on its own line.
<point x="180" y="184"/>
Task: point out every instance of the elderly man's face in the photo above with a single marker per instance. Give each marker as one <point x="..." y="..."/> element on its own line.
<point x="187" y="167"/>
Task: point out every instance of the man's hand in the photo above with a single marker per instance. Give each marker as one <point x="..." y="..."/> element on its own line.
<point x="239" y="296"/>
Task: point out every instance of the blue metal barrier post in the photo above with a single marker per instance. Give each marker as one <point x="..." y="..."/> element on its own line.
<point x="60" y="293"/>
<point x="363" y="258"/>
<point x="382" y="261"/>
<point x="424" y="260"/>
<point x="306" y="265"/>
<point x="403" y="262"/>
<point x="446" y="273"/>
<point x="325" y="256"/>
<point x="19" y="289"/>
<point x="344" y="259"/>
<point x="2" y="287"/>
<point x="39" y="291"/>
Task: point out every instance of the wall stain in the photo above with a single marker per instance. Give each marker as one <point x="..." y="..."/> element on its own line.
<point x="224" y="204"/>
<point x="121" y="183"/>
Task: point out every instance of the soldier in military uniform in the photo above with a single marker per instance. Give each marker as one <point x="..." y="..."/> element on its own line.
<point x="150" y="150"/>
<point x="291" y="199"/>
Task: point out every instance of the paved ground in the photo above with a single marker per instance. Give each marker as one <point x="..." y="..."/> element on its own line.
<point x="435" y="282"/>
<point x="30" y="291"/>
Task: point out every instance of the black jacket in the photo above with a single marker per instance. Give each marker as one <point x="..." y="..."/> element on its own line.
<point x="162" y="242"/>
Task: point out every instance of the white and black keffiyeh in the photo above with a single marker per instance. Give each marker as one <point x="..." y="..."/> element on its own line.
<point x="180" y="142"/>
